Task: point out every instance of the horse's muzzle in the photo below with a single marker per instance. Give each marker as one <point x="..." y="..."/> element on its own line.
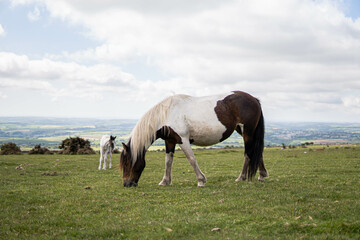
<point x="129" y="183"/>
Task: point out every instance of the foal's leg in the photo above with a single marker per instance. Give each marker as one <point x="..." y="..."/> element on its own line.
<point x="101" y="156"/>
<point x="105" y="160"/>
<point x="110" y="166"/>
<point x="242" y="176"/>
<point x="262" y="171"/>
<point x="186" y="147"/>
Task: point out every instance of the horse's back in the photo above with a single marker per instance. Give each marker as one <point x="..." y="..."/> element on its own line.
<point x="211" y="119"/>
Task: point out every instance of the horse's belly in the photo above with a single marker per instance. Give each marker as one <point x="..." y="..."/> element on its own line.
<point x="202" y="134"/>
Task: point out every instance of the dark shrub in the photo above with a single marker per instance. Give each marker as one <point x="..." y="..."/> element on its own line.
<point x="88" y="150"/>
<point x="76" y="145"/>
<point x="40" y="150"/>
<point x="9" y="148"/>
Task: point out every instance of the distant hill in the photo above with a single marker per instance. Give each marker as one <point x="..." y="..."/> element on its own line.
<point x="49" y="132"/>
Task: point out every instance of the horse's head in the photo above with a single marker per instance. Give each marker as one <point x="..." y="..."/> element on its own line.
<point x="112" y="142"/>
<point x="131" y="170"/>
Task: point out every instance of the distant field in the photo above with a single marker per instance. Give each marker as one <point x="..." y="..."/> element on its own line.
<point x="312" y="193"/>
<point x="49" y="132"/>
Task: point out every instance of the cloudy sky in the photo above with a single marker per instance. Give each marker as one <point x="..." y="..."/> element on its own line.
<point x="117" y="58"/>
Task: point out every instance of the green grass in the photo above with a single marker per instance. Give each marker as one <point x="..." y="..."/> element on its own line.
<point x="312" y="195"/>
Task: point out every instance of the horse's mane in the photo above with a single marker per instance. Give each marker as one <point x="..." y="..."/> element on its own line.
<point x="144" y="133"/>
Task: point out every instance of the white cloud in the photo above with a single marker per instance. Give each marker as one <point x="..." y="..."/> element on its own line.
<point x="229" y="42"/>
<point x="34" y="15"/>
<point x="352" y="102"/>
<point x="2" y="95"/>
<point x="288" y="52"/>
<point x="62" y="79"/>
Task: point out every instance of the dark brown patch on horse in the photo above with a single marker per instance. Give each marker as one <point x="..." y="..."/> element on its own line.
<point x="170" y="136"/>
<point x="241" y="107"/>
<point x="224" y="113"/>
<point x="238" y="129"/>
<point x="238" y="108"/>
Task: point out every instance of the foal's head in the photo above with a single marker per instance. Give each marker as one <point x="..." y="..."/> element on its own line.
<point x="131" y="170"/>
<point x="112" y="142"/>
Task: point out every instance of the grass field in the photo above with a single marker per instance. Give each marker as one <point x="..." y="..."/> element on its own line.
<point x="309" y="195"/>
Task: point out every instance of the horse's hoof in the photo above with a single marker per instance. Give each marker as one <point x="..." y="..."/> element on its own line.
<point x="201" y="184"/>
<point x="261" y="179"/>
<point x="240" y="179"/>
<point x="262" y="176"/>
<point x="163" y="183"/>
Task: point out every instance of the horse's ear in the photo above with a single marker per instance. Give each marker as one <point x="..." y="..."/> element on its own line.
<point x="126" y="148"/>
<point x="112" y="138"/>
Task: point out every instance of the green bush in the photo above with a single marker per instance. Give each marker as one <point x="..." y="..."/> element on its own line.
<point x="76" y="145"/>
<point x="9" y="148"/>
<point x="40" y="150"/>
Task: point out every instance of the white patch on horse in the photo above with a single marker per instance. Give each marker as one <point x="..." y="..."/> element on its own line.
<point x="199" y="121"/>
<point x="107" y="145"/>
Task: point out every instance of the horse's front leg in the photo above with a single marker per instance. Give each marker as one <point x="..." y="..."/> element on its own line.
<point x="186" y="147"/>
<point x="168" y="165"/>
<point x="170" y="149"/>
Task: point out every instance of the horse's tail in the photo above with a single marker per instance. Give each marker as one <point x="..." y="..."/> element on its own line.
<point x="255" y="147"/>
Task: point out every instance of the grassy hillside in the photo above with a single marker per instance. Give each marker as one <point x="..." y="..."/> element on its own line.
<point x="311" y="194"/>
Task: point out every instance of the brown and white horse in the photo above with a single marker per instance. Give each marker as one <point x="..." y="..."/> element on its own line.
<point x="202" y="121"/>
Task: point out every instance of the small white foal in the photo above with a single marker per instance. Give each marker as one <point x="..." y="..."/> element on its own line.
<point x="107" y="145"/>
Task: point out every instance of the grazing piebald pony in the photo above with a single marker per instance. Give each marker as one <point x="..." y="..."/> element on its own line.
<point x="107" y="145"/>
<point x="202" y="121"/>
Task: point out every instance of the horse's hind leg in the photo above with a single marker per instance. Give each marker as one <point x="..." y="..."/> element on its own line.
<point x="262" y="171"/>
<point x="186" y="147"/>
<point x="242" y="176"/>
